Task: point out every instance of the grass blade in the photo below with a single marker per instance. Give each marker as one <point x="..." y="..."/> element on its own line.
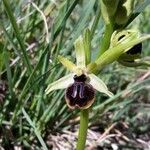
<point x="18" y="35"/>
<point x="37" y="133"/>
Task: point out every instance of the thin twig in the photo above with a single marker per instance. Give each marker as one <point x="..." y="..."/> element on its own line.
<point x="106" y="132"/>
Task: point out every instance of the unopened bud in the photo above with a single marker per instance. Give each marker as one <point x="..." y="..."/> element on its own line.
<point x="111" y="6"/>
<point x="124" y="11"/>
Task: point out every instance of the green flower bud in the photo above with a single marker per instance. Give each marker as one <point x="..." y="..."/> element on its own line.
<point x="124" y="11"/>
<point x="121" y="42"/>
<point x="108" y="9"/>
<point x="111" y="6"/>
<point x="132" y="54"/>
<point x="120" y="36"/>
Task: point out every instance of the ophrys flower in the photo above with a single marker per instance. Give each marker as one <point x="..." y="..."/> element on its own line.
<point x="80" y="85"/>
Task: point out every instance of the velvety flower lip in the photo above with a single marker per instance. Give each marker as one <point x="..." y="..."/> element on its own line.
<point x="80" y="85"/>
<point x="80" y="94"/>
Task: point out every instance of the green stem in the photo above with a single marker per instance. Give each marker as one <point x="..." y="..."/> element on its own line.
<point x="106" y="38"/>
<point x="84" y="114"/>
<point x="84" y="118"/>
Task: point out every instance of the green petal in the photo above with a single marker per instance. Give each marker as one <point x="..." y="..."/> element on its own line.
<point x="62" y="83"/>
<point x="99" y="85"/>
<point x="69" y="65"/>
<point x="80" y="53"/>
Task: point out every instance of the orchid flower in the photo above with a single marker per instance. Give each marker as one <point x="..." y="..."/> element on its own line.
<point x="80" y="84"/>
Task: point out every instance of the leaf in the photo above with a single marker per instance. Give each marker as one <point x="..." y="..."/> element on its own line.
<point x="99" y="85"/>
<point x="37" y="133"/>
<point x="1" y="56"/>
<point x="82" y="22"/>
<point x="141" y="5"/>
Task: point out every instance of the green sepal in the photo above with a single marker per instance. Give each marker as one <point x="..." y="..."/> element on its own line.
<point x="69" y="65"/>
<point x="80" y="53"/>
<point x="61" y="83"/>
<point x="87" y="45"/>
<point x="99" y="85"/>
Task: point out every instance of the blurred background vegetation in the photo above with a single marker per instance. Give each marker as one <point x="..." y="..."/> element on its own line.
<point x="29" y="119"/>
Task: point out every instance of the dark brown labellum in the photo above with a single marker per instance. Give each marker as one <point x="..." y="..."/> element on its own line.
<point x="80" y="94"/>
<point x="136" y="49"/>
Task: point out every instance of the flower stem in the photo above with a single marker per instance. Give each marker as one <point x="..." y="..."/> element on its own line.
<point x="106" y="38"/>
<point x="84" y="118"/>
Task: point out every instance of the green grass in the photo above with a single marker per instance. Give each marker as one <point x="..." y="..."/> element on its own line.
<point x="28" y="64"/>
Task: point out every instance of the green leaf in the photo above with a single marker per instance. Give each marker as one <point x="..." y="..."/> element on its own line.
<point x="1" y="57"/>
<point x="140" y="7"/>
<point x="37" y="133"/>
<point x="14" y="24"/>
<point x="82" y="22"/>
